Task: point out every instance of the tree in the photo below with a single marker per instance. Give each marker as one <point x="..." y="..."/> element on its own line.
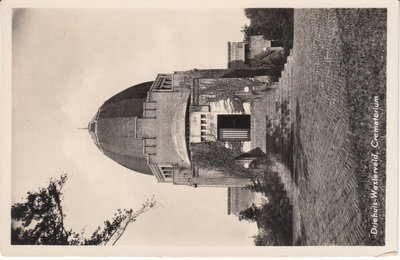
<point x="274" y="216"/>
<point x="274" y="222"/>
<point x="40" y="220"/>
<point x="273" y="23"/>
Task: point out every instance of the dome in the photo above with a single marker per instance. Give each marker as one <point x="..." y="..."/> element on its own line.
<point x="113" y="128"/>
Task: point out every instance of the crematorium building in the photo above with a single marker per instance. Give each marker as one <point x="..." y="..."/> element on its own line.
<point x="171" y="127"/>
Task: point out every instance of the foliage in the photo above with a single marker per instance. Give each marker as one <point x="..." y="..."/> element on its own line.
<point x="215" y="156"/>
<point x="274" y="23"/>
<point x="114" y="229"/>
<point x="236" y="146"/>
<point x="263" y="238"/>
<point x="274" y="217"/>
<point x="270" y="185"/>
<point x="225" y="89"/>
<point x="363" y="33"/>
<point x="43" y="211"/>
<point x="40" y="220"/>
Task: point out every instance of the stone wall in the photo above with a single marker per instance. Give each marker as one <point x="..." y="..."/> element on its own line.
<point x="257" y="44"/>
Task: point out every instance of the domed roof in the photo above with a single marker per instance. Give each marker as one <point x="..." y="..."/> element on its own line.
<point x="113" y="128"/>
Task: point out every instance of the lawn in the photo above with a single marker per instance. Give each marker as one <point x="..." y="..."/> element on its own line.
<point x="339" y="72"/>
<point x="363" y="33"/>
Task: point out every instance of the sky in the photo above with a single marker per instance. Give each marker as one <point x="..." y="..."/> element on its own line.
<point x="65" y="64"/>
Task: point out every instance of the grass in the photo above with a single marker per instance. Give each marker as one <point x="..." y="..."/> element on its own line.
<point x="363" y="33"/>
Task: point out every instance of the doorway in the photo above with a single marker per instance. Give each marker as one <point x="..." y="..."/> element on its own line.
<point x="234" y="127"/>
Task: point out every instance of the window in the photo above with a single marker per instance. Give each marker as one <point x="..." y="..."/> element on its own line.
<point x="167" y="171"/>
<point x="163" y="82"/>
<point x="203" y="127"/>
<point x="203" y="122"/>
<point x="93" y="127"/>
<point x="203" y="116"/>
<point x="166" y="83"/>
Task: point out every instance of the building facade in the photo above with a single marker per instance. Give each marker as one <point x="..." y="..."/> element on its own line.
<point x="162" y="128"/>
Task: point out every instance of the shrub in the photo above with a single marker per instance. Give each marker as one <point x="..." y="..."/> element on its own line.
<point x="274" y="23"/>
<point x="274" y="217"/>
<point x="214" y="155"/>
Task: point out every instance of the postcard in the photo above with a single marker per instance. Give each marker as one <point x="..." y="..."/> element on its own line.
<point x="170" y="128"/>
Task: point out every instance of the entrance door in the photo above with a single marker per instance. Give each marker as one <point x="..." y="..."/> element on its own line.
<point x="234" y="127"/>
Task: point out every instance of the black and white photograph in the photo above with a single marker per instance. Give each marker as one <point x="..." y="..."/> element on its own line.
<point x="254" y="127"/>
